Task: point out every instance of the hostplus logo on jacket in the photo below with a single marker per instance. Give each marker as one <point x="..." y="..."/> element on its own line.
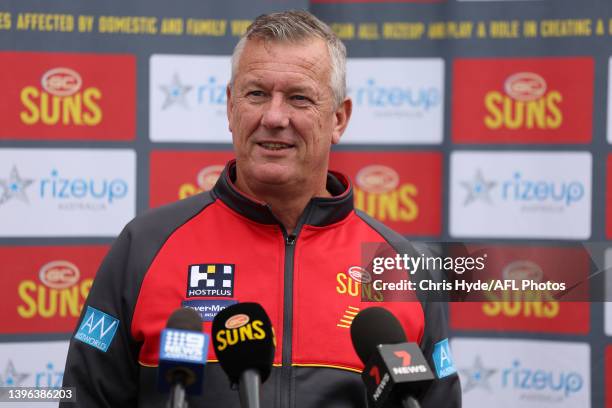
<point x="208" y="280"/>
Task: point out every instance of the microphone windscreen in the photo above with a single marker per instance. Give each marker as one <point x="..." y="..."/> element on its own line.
<point x="243" y="338"/>
<point x="374" y="326"/>
<point x="185" y="319"/>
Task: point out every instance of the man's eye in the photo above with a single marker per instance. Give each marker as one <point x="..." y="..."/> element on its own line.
<point x="255" y="93"/>
<point x="300" y="98"/>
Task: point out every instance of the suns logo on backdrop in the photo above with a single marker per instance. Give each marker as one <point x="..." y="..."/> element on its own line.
<point x="175" y="175"/>
<point x="68" y="96"/>
<point x="523" y="100"/>
<point x="59" y="292"/>
<point x="540" y="304"/>
<point x="403" y="190"/>
<point x="545" y="311"/>
<point x="61" y="98"/>
<point x="47" y="287"/>
<point x="205" y="180"/>
<point x="378" y="193"/>
<point x="526" y="103"/>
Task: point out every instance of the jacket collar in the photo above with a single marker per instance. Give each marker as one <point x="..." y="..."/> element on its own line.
<point x="319" y="212"/>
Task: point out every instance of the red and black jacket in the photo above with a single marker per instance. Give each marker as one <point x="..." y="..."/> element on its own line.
<point x="302" y="280"/>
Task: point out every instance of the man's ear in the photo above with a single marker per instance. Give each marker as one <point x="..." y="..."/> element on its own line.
<point x="229" y="105"/>
<point x="342" y="117"/>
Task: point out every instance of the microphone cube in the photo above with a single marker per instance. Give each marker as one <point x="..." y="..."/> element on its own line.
<point x="182" y="358"/>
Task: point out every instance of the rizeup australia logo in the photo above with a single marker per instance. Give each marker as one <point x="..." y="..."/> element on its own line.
<point x="177" y="93"/>
<point x="408" y="99"/>
<point x="71" y="193"/>
<point x="528" y="383"/>
<point x="531" y="193"/>
<point x="14" y="187"/>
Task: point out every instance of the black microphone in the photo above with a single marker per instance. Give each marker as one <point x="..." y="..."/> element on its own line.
<point x="395" y="370"/>
<point x="183" y="350"/>
<point x="243" y="338"/>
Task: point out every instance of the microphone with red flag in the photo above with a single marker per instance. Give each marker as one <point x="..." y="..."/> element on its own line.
<point x="395" y="371"/>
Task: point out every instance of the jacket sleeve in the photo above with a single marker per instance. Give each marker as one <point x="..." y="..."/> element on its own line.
<point x="102" y="361"/>
<point x="445" y="391"/>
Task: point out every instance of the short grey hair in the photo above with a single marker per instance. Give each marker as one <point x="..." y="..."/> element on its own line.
<point x="298" y="26"/>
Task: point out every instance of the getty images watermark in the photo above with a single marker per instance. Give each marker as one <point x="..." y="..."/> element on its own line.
<point x="477" y="272"/>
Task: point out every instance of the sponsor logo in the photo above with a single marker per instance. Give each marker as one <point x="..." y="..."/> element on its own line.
<point x="178" y="175"/>
<point x="388" y="188"/>
<point x="520" y="189"/>
<point x="183" y="345"/>
<point x="523" y="100"/>
<point x="211" y="280"/>
<point x="60" y="294"/>
<point x="532" y="311"/>
<point x="407" y="94"/>
<point x="14" y="187"/>
<point x="38" y="364"/>
<point x="205" y="180"/>
<point x="519" y="194"/>
<point x="406" y="368"/>
<point x="237" y="321"/>
<point x="357" y="282"/>
<point x="527" y="373"/>
<point x="59" y="274"/>
<point x="188" y="98"/>
<point x="359" y="274"/>
<point x="11" y="377"/>
<point x="208" y="309"/>
<point x="347" y="317"/>
<point x="58" y="190"/>
<point x="239" y="330"/>
<point x="47" y="286"/>
<point x="62" y="101"/>
<point x="97" y="329"/>
<point x="68" y="96"/>
<point x="443" y="359"/>
<point x="175" y="93"/>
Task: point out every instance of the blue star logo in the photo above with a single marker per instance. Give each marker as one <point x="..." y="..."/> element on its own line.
<point x="478" y="189"/>
<point x="175" y="93"/>
<point x="476" y="376"/>
<point x="14" y="187"/>
<point x="11" y="378"/>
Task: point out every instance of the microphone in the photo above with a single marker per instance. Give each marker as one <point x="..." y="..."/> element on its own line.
<point x="183" y="350"/>
<point x="244" y="342"/>
<point x="395" y="370"/>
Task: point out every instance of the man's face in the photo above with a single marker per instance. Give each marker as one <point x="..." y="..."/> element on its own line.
<point x="282" y="113"/>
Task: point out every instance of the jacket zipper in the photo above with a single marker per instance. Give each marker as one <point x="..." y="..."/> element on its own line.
<point x="286" y="369"/>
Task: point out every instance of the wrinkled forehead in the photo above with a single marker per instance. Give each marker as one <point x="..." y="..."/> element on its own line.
<point x="309" y="57"/>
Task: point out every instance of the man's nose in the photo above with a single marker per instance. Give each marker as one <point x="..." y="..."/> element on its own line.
<point x="276" y="114"/>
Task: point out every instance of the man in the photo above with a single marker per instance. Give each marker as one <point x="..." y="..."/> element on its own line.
<point x="279" y="227"/>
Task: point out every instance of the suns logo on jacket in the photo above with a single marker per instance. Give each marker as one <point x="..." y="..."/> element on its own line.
<point x="357" y="282"/>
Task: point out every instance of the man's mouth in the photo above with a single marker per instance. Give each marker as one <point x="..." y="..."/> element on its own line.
<point x="275" y="145"/>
